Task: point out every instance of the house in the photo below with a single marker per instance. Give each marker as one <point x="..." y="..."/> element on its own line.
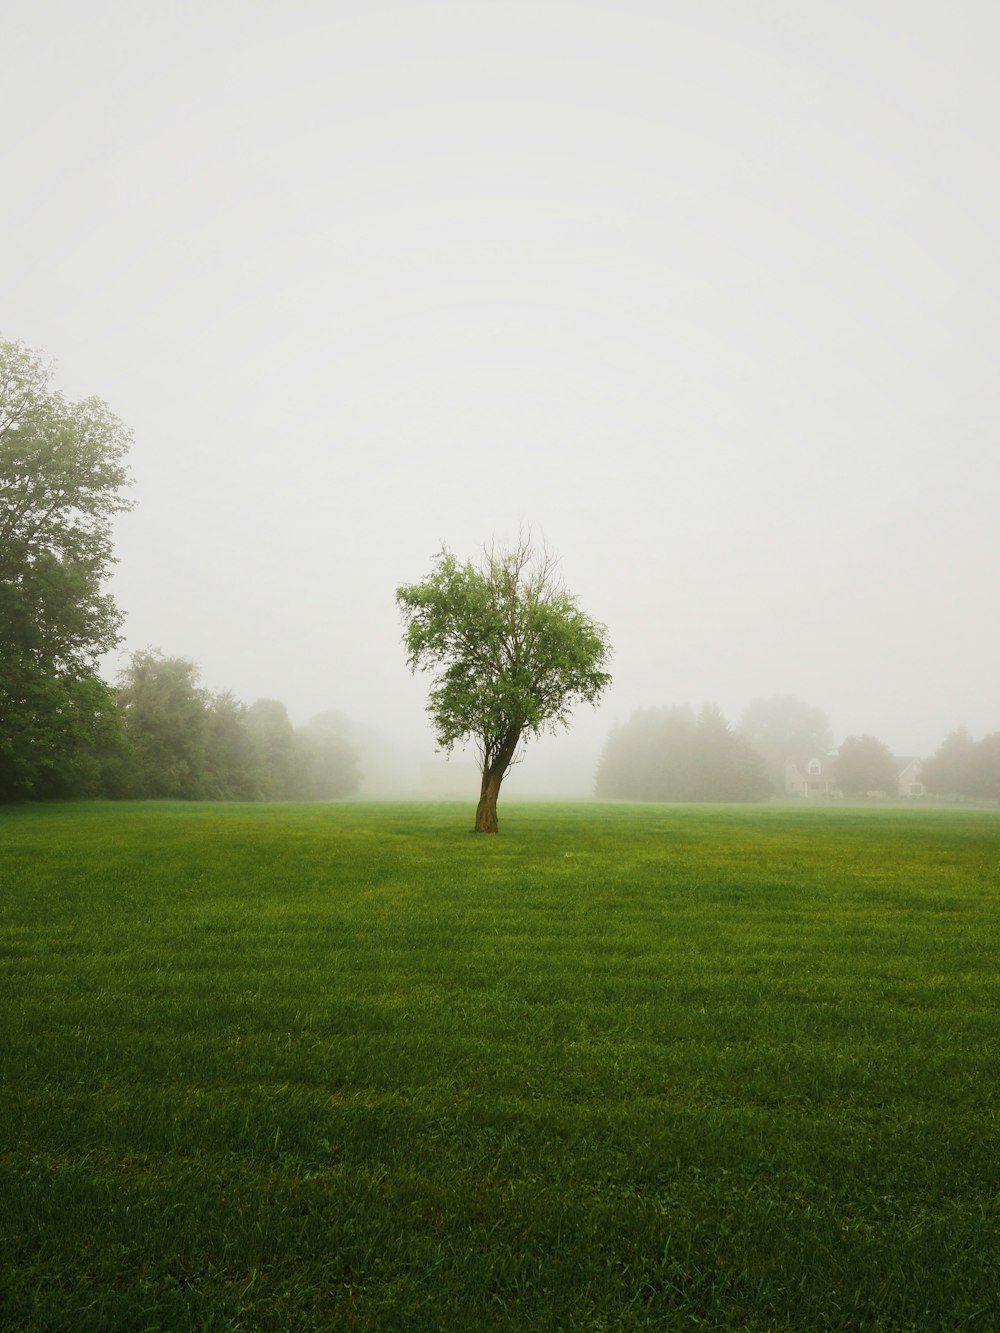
<point x="811" y="777"/>
<point x="909" y="771"/>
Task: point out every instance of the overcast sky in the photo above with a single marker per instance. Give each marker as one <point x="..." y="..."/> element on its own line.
<point x="705" y="292"/>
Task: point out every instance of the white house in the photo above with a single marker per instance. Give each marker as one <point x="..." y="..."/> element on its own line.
<point x="909" y="771"/>
<point x="811" y="778"/>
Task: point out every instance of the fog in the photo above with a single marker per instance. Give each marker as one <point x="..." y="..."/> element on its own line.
<point x="707" y="293"/>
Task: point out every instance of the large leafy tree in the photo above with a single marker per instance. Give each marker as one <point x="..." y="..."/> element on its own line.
<point x="62" y="474"/>
<point x="512" y="651"/>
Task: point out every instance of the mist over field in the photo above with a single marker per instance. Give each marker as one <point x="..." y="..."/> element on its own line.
<point x="707" y="294"/>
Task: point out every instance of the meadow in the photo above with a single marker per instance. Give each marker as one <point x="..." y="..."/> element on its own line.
<point x="622" y="1067"/>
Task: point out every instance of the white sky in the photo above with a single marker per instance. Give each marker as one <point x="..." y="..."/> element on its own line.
<point x="705" y="292"/>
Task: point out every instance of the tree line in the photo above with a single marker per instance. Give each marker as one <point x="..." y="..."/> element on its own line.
<point x="180" y="741"/>
<point x="158" y="734"/>
<point x="672" y="754"/>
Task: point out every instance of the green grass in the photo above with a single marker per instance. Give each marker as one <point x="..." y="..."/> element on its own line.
<point x="338" y="1067"/>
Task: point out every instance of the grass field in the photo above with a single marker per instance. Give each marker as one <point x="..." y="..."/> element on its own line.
<point x="352" y="1067"/>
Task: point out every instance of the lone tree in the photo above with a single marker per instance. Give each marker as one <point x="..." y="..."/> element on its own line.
<point x="512" y="651"/>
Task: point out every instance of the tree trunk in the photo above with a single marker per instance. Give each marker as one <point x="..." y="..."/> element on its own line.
<point x="486" y="810"/>
<point x="494" y="772"/>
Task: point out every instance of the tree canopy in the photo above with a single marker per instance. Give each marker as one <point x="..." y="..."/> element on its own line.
<point x="948" y="772"/>
<point x="512" y="652"/>
<point x="864" y="765"/>
<point x="62" y="476"/>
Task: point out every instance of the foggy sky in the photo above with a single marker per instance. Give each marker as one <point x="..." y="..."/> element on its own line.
<point x="705" y="292"/>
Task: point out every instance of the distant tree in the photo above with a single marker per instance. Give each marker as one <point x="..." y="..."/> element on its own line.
<point x="984" y="768"/>
<point x="668" y="754"/>
<point x="231" y="768"/>
<point x="728" y="767"/>
<point x="948" y="772"/>
<point x="783" y="728"/>
<point x="277" y="758"/>
<point x="330" y="760"/>
<point x="648" y="758"/>
<point x="62" y="473"/>
<point x="512" y="650"/>
<point x="164" y="716"/>
<point x="864" y="766"/>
